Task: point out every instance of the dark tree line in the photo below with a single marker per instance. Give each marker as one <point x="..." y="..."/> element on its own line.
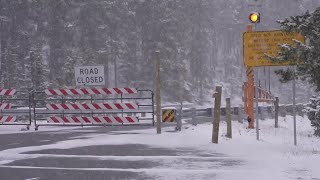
<point x="200" y="42"/>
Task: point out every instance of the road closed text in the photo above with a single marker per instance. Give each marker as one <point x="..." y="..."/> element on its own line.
<point x="90" y="80"/>
<point x="89" y="75"/>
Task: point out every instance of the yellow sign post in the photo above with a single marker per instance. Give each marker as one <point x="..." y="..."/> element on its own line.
<point x="258" y="43"/>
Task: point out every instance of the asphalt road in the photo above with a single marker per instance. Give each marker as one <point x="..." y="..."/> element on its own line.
<point x="103" y="162"/>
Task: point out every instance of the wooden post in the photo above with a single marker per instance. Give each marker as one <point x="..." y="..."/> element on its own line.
<point x="216" y="117"/>
<point x="158" y="97"/>
<point x="179" y="119"/>
<point x="276" y="114"/>
<point x="228" y="118"/>
<point x="193" y="116"/>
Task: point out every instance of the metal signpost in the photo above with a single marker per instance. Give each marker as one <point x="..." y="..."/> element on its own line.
<point x="257" y="44"/>
<point x="294" y="106"/>
<point x="257" y="104"/>
<point x="89" y="75"/>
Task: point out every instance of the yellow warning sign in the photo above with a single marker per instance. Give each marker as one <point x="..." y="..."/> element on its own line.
<point x="168" y="115"/>
<point x="258" y="43"/>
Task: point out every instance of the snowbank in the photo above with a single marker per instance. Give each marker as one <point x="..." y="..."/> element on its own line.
<point x="273" y="157"/>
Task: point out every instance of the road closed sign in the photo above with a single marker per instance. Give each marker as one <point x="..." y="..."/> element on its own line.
<point x="259" y="43"/>
<point x="89" y="75"/>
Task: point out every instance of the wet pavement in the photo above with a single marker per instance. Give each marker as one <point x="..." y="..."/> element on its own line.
<point x="105" y="162"/>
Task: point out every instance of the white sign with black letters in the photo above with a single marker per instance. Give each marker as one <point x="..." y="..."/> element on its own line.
<point x="89" y="75"/>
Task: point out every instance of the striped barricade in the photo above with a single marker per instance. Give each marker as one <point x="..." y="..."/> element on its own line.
<point x="5" y="106"/>
<point x="92" y="91"/>
<point x="7" y="92"/>
<point x="15" y="107"/>
<point x="92" y="106"/>
<point x="93" y="120"/>
<point x="7" y="119"/>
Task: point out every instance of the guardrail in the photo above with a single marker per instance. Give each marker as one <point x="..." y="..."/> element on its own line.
<point x="238" y="112"/>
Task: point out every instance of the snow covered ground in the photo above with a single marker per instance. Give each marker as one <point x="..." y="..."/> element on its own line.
<point x="273" y="157"/>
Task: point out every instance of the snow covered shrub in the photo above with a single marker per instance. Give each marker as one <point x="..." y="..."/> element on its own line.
<point x="313" y="112"/>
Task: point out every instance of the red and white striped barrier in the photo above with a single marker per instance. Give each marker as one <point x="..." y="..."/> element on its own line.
<point x="7" y="119"/>
<point x="92" y="120"/>
<point x="7" y="92"/>
<point x="92" y="91"/>
<point x="92" y="106"/>
<point x="5" y="106"/>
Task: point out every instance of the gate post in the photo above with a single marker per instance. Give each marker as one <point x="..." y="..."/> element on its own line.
<point x="152" y="101"/>
<point x="179" y="118"/>
<point x="228" y="118"/>
<point x="276" y="114"/>
<point x="193" y="116"/>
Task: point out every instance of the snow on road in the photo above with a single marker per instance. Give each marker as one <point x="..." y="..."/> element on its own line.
<point x="273" y="157"/>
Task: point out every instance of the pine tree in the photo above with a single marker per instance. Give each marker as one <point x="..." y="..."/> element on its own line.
<point x="313" y="112"/>
<point x="307" y="25"/>
<point x="304" y="55"/>
<point x="38" y="72"/>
